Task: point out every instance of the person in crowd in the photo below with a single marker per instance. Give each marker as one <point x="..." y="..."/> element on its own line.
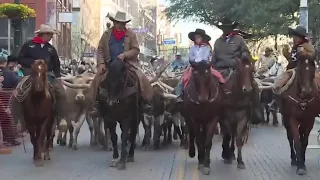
<point x="10" y="73"/>
<point x="178" y="63"/>
<point x="265" y="62"/>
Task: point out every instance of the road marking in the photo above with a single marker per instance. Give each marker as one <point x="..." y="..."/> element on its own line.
<point x="182" y="167"/>
<point x="195" y="173"/>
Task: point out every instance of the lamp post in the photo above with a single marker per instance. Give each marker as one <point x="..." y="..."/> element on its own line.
<point x="16" y="24"/>
<point x="304" y="14"/>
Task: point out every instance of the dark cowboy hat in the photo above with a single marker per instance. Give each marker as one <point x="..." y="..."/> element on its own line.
<point x="268" y="49"/>
<point x="298" y="31"/>
<point x="227" y="23"/>
<point x="12" y="59"/>
<point x="200" y="32"/>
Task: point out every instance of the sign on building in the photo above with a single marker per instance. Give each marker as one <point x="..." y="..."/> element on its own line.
<point x="169" y="41"/>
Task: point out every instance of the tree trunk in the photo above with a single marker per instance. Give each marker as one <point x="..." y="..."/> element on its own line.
<point x="276" y="42"/>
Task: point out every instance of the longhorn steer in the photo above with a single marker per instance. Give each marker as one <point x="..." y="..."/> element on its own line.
<point x="80" y="100"/>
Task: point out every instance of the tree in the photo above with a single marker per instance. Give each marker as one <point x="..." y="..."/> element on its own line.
<point x="262" y="18"/>
<point x="79" y="45"/>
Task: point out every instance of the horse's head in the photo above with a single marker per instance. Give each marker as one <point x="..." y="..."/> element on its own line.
<point x="244" y="75"/>
<point x="116" y="79"/>
<point x="202" y="78"/>
<point x="306" y="73"/>
<point x="39" y="76"/>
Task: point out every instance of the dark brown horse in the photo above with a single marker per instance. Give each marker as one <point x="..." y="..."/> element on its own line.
<point x="237" y="110"/>
<point x="299" y="107"/>
<point x="38" y="111"/>
<point x="119" y="101"/>
<point x="201" y="111"/>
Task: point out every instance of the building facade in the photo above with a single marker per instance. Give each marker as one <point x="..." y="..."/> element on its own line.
<point x="47" y="12"/>
<point x="86" y="29"/>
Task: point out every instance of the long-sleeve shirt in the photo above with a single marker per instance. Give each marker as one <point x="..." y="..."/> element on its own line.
<point x="177" y="64"/>
<point x="31" y="51"/>
<point x="276" y="70"/>
<point x="199" y="53"/>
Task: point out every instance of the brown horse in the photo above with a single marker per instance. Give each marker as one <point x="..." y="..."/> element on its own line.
<point x="237" y="110"/>
<point x="201" y="110"/>
<point x="38" y="112"/>
<point x="299" y="107"/>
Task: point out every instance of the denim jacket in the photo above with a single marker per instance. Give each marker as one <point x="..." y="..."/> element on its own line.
<point x="199" y="53"/>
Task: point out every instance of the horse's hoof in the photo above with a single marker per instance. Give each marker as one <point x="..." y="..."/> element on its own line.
<point x="228" y="161"/>
<point x="69" y="145"/>
<point x="301" y="171"/>
<point x="241" y="166"/>
<point x="233" y="157"/>
<point x="114" y="163"/>
<point x="121" y="166"/>
<point x="192" y="152"/>
<point x="293" y="163"/>
<point x="145" y="148"/>
<point x="75" y="147"/>
<point x="275" y="125"/>
<point x="107" y="148"/>
<point x="200" y="166"/>
<point x="205" y="170"/>
<point x="175" y="137"/>
<point x="130" y="159"/>
<point x="38" y="163"/>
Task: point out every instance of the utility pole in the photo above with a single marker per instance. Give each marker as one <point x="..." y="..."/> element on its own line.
<point x="304" y="14"/>
<point x="17" y="34"/>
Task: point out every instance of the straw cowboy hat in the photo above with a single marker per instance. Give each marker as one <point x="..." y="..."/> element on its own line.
<point x="120" y="17"/>
<point x="227" y="23"/>
<point x="298" y="31"/>
<point x="200" y="32"/>
<point x="44" y="28"/>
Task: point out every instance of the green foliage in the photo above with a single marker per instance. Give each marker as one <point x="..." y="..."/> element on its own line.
<point x="13" y="11"/>
<point x="260" y="17"/>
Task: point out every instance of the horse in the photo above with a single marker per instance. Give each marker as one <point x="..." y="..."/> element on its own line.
<point x="201" y="110"/>
<point x="119" y="101"/>
<point x="299" y="105"/>
<point x="38" y="112"/>
<point x="266" y="98"/>
<point x="238" y="92"/>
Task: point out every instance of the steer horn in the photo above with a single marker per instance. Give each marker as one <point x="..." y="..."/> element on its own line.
<point x="75" y="86"/>
<point x="160" y="72"/>
<point x="170" y="96"/>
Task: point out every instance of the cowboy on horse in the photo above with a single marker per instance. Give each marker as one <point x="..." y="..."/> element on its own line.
<point x="121" y="43"/>
<point x="200" y="51"/>
<point x="228" y="49"/>
<point x="40" y="48"/>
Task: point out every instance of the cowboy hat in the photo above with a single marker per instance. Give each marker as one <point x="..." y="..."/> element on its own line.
<point x="227" y="23"/>
<point x="120" y="17"/>
<point x="298" y="31"/>
<point x="44" y="28"/>
<point x="268" y="49"/>
<point x="200" y="32"/>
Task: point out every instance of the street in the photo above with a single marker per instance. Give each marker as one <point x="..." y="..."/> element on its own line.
<point x="267" y="157"/>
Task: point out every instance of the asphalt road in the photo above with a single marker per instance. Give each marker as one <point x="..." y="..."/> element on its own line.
<point x="267" y="157"/>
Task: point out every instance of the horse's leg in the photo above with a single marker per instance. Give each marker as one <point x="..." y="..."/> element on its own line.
<point x="200" y="140"/>
<point x="304" y="132"/>
<point x="290" y="140"/>
<point x="49" y="138"/>
<point x="297" y="145"/>
<point x="132" y="138"/>
<point x="209" y="129"/>
<point x="169" y="129"/>
<point x="32" y="132"/>
<point x="71" y="129"/>
<point x="105" y="132"/>
<point x="114" y="139"/>
<point x="164" y="128"/>
<point x="226" y="138"/>
<point x="90" y="122"/>
<point x="192" y="137"/>
<point x="241" y="132"/>
<point x="267" y="108"/>
<point x="147" y="122"/>
<point x="185" y="134"/>
<point x="40" y="134"/>
<point x="124" y="141"/>
<point x="77" y="126"/>
<point x="157" y="133"/>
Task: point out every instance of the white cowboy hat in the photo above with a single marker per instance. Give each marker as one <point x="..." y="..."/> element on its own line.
<point x="120" y="17"/>
<point x="44" y="28"/>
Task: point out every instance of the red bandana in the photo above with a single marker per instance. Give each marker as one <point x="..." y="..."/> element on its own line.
<point x="230" y="35"/>
<point x="118" y="35"/>
<point x="38" y="40"/>
<point x="204" y="44"/>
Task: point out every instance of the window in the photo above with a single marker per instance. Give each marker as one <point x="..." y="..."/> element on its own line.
<point x="4" y="49"/>
<point x="4" y="27"/>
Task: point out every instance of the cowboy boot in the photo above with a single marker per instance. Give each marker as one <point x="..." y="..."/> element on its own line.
<point x="257" y="110"/>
